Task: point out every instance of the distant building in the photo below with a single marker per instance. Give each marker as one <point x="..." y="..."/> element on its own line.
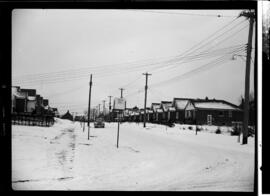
<point x="45" y="102"/>
<point x="67" y="116"/>
<point x="154" y="107"/>
<point x="19" y="100"/>
<point x="165" y="106"/>
<point x="212" y="112"/>
<point x="180" y="104"/>
<point x="55" y="112"/>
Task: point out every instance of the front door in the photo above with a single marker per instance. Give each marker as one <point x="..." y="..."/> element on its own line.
<point x="209" y="119"/>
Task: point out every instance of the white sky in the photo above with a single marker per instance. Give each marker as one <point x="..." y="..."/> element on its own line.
<point x="106" y="42"/>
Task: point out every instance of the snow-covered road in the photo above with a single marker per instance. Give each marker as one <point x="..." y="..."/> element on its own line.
<point x="152" y="158"/>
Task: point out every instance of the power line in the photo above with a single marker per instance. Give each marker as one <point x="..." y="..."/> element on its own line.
<point x="190" y="57"/>
<point x="188" y="14"/>
<point x="84" y="70"/>
<point x="204" y="67"/>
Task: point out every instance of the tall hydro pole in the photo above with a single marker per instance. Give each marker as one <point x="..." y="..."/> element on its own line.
<point x="251" y="16"/>
<point x="145" y="97"/>
<point x="89" y="105"/>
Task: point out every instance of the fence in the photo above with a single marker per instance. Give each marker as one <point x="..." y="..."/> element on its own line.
<point x="32" y="120"/>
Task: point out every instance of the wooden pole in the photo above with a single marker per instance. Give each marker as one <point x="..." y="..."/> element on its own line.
<point x="145" y="97"/>
<point x="89" y="105"/>
<point x="251" y="17"/>
<point x="118" y="127"/>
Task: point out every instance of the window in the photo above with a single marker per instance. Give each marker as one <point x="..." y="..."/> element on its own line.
<point x="221" y="113"/>
<point x="177" y="115"/>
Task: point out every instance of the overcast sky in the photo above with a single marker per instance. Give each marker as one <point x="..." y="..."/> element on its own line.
<point x="55" y="51"/>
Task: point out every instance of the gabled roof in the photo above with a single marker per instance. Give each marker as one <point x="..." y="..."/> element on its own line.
<point x="181" y="103"/>
<point x="214" y="104"/>
<point x="155" y="106"/>
<point x="165" y="105"/>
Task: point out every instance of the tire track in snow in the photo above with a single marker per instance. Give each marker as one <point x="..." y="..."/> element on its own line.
<point x="60" y="154"/>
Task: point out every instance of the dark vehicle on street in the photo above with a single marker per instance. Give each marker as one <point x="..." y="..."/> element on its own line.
<point x="99" y="123"/>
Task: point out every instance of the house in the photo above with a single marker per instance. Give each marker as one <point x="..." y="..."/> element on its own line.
<point x="149" y="115"/>
<point x="30" y="92"/>
<point x="159" y="115"/>
<point x="19" y="100"/>
<point x="31" y="99"/>
<point x="31" y="103"/>
<point x="165" y="105"/>
<point x="154" y="107"/>
<point x="212" y="112"/>
<point x="67" y="116"/>
<point x="39" y="104"/>
<point x="45" y="102"/>
<point x="180" y="104"/>
<point x="126" y="114"/>
<point x="55" y="112"/>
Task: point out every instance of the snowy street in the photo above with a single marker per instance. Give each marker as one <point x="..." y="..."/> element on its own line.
<point x="153" y="158"/>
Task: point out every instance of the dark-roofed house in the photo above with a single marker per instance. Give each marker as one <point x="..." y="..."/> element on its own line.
<point x="67" y="116"/>
<point x="180" y="104"/>
<point x="212" y="112"/>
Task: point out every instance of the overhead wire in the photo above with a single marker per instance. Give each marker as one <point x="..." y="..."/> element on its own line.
<point x="83" y="70"/>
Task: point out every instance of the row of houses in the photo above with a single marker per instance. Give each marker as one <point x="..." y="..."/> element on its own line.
<point x="27" y="101"/>
<point x="188" y="111"/>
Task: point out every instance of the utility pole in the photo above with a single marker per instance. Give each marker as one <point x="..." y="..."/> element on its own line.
<point x="251" y="16"/>
<point x="145" y="97"/>
<point x="121" y="89"/>
<point x="89" y="104"/>
<point x="110" y="108"/>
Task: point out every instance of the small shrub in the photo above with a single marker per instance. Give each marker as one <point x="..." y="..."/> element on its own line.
<point x="218" y="131"/>
<point x="190" y="128"/>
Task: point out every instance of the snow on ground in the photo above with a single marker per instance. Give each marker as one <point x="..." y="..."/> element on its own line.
<point x="152" y="158"/>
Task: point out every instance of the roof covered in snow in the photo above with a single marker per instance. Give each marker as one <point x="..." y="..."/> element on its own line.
<point x="166" y="105"/>
<point x="155" y="106"/>
<point x="171" y="108"/>
<point x="221" y="105"/>
<point x="159" y="110"/>
<point x="180" y="104"/>
<point x="20" y="95"/>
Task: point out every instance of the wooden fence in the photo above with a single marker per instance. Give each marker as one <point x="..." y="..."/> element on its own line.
<point x="32" y="120"/>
